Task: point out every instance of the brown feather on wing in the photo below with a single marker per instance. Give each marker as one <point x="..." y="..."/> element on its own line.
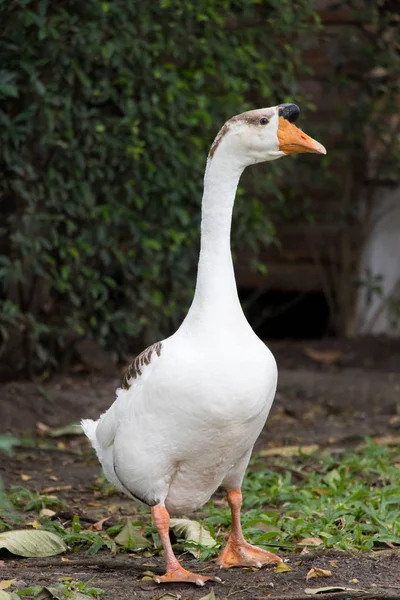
<point x="135" y="368"/>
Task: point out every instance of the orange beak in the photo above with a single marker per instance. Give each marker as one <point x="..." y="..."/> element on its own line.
<point x="292" y="140"/>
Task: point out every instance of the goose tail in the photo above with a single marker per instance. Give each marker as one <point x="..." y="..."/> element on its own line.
<point x="89" y="429"/>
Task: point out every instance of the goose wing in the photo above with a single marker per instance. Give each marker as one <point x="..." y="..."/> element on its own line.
<point x="102" y="432"/>
<point x="135" y="369"/>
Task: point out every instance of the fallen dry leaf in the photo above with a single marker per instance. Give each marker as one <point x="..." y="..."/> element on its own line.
<point x="25" y="477"/>
<point x="317" y="572"/>
<point x="56" y="488"/>
<point x="35" y="524"/>
<point x="63" y="559"/>
<point x="99" y="525"/>
<point x="310" y="541"/>
<point x="328" y="357"/>
<point x="6" y="583"/>
<point x="42" y="428"/>
<point x="282" y="567"/>
<point x="354" y="580"/>
<point x="333" y="564"/>
<point x="331" y="588"/>
<point x="289" y="450"/>
<point x="53" y="477"/>
<point x="387" y="440"/>
<point x="47" y="512"/>
<point x="166" y="595"/>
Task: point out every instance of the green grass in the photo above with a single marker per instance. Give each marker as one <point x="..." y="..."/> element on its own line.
<point x="64" y="588"/>
<point x="347" y="499"/>
<point x="27" y="500"/>
<point x="350" y="500"/>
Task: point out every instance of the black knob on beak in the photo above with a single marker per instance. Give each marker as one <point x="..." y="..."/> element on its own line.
<point x="289" y="111"/>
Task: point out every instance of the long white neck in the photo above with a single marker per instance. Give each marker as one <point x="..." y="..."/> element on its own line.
<point x="216" y="299"/>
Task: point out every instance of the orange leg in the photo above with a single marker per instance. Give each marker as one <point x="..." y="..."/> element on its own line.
<point x="174" y="570"/>
<point x="237" y="552"/>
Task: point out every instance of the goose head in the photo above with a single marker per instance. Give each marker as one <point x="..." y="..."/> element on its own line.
<point x="264" y="134"/>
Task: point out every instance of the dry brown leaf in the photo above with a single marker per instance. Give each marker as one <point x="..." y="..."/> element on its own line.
<point x="354" y="580"/>
<point x="47" y="512"/>
<point x="42" y="428"/>
<point x="6" y="583"/>
<point x="325" y="590"/>
<point x="395" y="420"/>
<point x="289" y="450"/>
<point x="63" y="559"/>
<point x="332" y="588"/>
<point x="53" y="477"/>
<point x="333" y="564"/>
<point x="328" y="357"/>
<point x="99" y="525"/>
<point x="282" y="567"/>
<point x="56" y="488"/>
<point x="310" y="541"/>
<point x="387" y="440"/>
<point x="35" y="524"/>
<point x="317" y="572"/>
<point x="25" y="477"/>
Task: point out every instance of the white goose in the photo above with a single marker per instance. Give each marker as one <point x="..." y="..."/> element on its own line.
<point x="192" y="406"/>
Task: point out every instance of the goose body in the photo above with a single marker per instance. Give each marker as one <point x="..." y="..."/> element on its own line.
<point x="188" y="423"/>
<point x="192" y="406"/>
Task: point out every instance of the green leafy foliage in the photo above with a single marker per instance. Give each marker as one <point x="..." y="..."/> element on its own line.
<point x="27" y="500"/>
<point x="66" y="589"/>
<point x="130" y="538"/>
<point x="107" y="114"/>
<point x="31" y="543"/>
<point x="7" y="443"/>
<point x="348" y="501"/>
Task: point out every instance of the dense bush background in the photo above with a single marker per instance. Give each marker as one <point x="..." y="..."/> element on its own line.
<point x="107" y="113"/>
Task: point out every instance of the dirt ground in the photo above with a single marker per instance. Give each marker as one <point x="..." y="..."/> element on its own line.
<point x="324" y="398"/>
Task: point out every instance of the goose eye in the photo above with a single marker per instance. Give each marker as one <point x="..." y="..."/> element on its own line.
<point x="264" y="121"/>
